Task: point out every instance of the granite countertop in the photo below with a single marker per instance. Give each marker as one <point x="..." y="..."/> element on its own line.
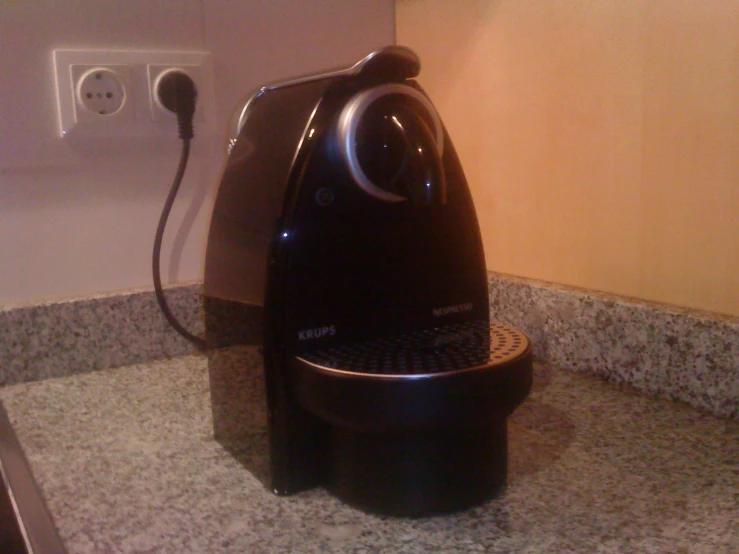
<point x="127" y="463"/>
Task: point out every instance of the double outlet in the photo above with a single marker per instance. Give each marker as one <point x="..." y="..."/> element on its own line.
<point x="112" y="93"/>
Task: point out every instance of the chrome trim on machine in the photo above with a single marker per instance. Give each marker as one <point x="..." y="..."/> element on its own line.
<point x="241" y="112"/>
<point x="347" y="131"/>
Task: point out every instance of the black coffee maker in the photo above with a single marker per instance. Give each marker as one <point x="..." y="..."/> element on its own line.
<point x="346" y="298"/>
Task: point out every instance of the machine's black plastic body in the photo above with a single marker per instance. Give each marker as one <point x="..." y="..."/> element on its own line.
<point x="301" y="260"/>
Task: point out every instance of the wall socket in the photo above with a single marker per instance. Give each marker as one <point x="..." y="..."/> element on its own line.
<point x="112" y="93"/>
<point x="154" y="73"/>
<point x="102" y="92"/>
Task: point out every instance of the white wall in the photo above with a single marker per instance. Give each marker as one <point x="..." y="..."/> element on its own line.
<point x="75" y="222"/>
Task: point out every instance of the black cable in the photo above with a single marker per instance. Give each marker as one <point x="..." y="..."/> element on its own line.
<point x="177" y="92"/>
<point x="197" y="341"/>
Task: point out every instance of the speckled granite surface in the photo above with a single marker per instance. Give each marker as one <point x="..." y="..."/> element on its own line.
<point x="63" y="338"/>
<point x="664" y="350"/>
<point x="127" y="463"/>
<point x="676" y="353"/>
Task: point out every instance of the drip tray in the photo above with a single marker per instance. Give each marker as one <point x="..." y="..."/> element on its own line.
<point x="451" y="348"/>
<point x="417" y="422"/>
<point x="450" y="377"/>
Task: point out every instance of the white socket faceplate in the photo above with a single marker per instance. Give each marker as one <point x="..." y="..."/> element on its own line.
<point x="140" y="115"/>
<point x="102" y="92"/>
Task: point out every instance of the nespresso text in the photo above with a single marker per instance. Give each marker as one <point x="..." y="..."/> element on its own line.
<point x="456" y="309"/>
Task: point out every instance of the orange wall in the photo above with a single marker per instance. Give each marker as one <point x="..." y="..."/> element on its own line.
<point x="600" y="138"/>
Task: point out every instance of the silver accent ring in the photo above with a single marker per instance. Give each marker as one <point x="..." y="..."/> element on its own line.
<point x="349" y="122"/>
<point x="238" y="118"/>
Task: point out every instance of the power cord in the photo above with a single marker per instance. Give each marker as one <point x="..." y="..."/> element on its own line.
<point x="177" y="93"/>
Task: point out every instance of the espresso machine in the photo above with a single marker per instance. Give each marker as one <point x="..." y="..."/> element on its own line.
<point x="346" y="299"/>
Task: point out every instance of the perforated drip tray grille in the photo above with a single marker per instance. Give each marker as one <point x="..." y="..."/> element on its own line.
<point x="441" y="350"/>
